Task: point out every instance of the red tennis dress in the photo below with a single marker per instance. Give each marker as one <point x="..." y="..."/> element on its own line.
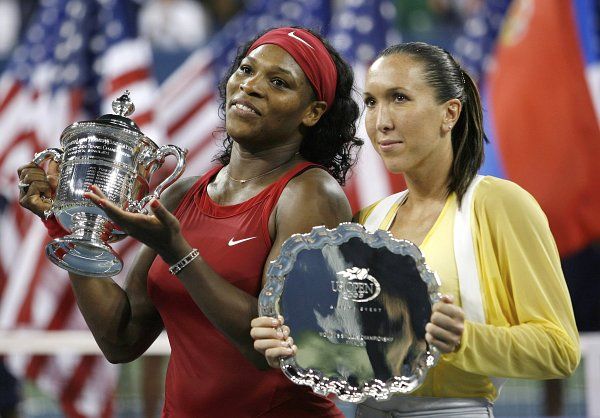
<point x="207" y="376"/>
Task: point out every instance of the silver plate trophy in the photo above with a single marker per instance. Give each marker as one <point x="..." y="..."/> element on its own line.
<point x="112" y="153"/>
<point x="357" y="304"/>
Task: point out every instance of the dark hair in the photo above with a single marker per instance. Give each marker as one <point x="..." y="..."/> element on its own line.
<point x="331" y="141"/>
<point x="450" y="81"/>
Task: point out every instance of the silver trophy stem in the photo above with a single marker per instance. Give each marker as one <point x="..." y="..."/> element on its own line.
<point x="84" y="251"/>
<point x="89" y="226"/>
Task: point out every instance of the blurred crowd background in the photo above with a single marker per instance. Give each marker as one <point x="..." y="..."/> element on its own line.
<point x="176" y="27"/>
<point x="537" y="62"/>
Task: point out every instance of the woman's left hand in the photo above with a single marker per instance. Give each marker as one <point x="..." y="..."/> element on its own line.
<point x="446" y="326"/>
<point x="272" y="339"/>
<point x="158" y="231"/>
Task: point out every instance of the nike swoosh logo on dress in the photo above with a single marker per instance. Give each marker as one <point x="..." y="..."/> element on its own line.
<point x="233" y="242"/>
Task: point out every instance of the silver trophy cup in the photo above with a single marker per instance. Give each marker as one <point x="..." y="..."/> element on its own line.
<point x="113" y="154"/>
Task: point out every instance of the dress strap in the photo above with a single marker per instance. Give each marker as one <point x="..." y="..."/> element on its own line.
<point x="196" y="187"/>
<point x="375" y="219"/>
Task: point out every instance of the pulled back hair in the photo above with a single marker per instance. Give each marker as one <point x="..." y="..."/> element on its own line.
<point x="450" y="81"/>
<point x="332" y="140"/>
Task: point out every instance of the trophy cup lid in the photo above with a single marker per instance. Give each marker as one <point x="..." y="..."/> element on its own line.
<point x="118" y="124"/>
<point x="123" y="107"/>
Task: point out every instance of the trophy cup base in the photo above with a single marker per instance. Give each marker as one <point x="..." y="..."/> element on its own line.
<point x="80" y="256"/>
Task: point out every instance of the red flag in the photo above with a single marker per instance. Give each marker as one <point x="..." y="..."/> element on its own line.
<point x="547" y="130"/>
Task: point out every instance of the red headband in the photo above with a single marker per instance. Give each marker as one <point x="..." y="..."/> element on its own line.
<point x="310" y="54"/>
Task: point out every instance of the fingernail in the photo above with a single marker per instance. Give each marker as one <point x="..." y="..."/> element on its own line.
<point x="154" y="203"/>
<point x="102" y="202"/>
<point x="274" y="322"/>
<point x="280" y="334"/>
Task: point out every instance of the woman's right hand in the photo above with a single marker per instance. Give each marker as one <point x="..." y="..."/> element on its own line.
<point x="37" y="187"/>
<point x="272" y="339"/>
<point x="446" y="326"/>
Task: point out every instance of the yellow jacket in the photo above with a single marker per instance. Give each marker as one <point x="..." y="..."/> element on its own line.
<point x="529" y="330"/>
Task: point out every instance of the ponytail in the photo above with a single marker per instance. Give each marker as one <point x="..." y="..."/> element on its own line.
<point x="468" y="138"/>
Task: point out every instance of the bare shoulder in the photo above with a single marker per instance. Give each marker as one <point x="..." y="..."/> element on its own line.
<point x="317" y="185"/>
<point x="310" y="199"/>
<point x="175" y="192"/>
<point x="315" y="193"/>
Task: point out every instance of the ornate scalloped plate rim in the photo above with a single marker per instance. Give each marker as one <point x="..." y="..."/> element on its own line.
<point x="273" y="289"/>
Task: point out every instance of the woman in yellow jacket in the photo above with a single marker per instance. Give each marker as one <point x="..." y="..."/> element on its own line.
<point x="506" y="310"/>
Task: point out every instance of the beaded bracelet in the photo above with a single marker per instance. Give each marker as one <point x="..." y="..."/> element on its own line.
<point x="180" y="265"/>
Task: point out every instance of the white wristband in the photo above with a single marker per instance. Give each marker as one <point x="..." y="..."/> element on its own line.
<point x="180" y="265"/>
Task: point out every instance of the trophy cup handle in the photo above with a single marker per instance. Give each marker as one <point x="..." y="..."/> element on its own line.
<point x="55" y="153"/>
<point x="161" y="153"/>
<point x="38" y="158"/>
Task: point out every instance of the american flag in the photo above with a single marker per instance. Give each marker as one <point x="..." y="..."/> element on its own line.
<point x="75" y="58"/>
